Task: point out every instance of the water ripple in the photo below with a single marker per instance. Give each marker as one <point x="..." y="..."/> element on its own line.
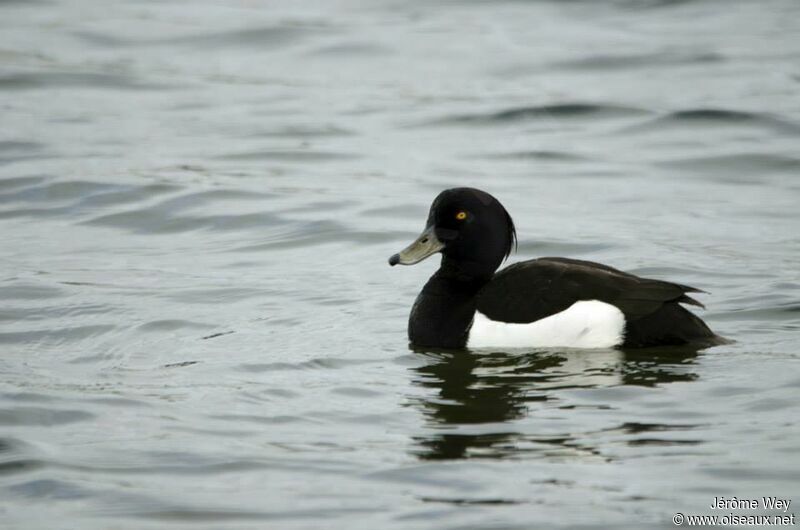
<point x="42" y="417"/>
<point x="559" y="111"/>
<point x="299" y="155"/>
<point x="313" y="233"/>
<point x="732" y="166"/>
<point x="644" y="60"/>
<point x="715" y="118"/>
<point x="54" y="336"/>
<point x="165" y="217"/>
<point x="255" y="37"/>
<point x="16" y="151"/>
<point x="69" y="79"/>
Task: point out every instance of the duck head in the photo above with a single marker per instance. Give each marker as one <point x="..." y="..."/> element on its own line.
<point x="471" y="229"/>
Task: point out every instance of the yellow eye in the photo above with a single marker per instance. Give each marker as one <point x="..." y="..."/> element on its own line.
<point x="461" y="216"/>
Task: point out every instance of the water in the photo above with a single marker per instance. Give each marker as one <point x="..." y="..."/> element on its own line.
<point x="199" y="327"/>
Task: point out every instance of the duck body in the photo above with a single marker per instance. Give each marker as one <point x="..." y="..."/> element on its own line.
<point x="545" y="302"/>
<point x="555" y="302"/>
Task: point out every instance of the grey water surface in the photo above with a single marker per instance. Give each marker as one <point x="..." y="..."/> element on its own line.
<point x="197" y="200"/>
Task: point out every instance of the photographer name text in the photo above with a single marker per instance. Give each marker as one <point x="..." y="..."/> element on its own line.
<point x="764" y="503"/>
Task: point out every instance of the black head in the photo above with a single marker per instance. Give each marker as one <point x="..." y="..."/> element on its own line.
<point x="471" y="229"/>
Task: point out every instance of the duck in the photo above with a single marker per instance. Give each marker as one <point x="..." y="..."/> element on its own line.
<point x="539" y="303"/>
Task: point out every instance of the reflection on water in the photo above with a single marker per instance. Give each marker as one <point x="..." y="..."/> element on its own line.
<point x="470" y="388"/>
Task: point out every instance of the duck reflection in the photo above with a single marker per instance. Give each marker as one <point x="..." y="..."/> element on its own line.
<point x="475" y="396"/>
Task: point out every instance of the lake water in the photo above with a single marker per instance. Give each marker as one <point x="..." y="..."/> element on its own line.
<point x="197" y="201"/>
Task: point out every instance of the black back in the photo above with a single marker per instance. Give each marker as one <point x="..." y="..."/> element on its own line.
<point x="535" y="289"/>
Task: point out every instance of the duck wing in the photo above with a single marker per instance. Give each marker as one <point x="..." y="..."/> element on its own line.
<point x="531" y="290"/>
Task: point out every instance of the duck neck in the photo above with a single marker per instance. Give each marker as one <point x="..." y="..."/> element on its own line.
<point x="443" y="313"/>
<point x="468" y="273"/>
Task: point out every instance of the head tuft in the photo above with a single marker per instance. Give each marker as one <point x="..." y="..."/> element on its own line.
<point x="512" y="235"/>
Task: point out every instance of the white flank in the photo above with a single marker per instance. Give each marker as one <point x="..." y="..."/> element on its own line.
<point x="585" y="324"/>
